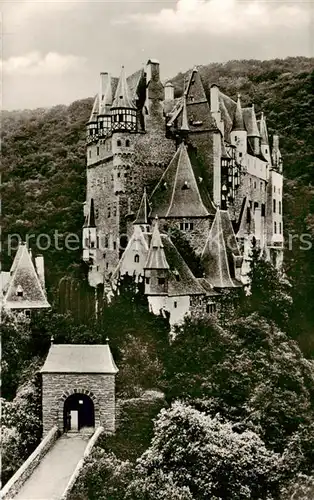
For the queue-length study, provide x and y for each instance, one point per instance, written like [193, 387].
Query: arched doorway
[78, 412]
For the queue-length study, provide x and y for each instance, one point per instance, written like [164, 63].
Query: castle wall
[56, 387]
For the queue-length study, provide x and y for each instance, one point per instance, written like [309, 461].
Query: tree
[195, 456]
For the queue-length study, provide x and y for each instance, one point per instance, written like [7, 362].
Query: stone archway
[77, 391]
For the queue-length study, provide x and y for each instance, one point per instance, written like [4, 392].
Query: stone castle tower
[205, 166]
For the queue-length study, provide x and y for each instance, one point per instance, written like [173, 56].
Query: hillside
[43, 161]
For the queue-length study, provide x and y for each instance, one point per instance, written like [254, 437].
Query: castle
[200, 165]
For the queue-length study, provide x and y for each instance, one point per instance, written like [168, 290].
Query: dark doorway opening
[78, 412]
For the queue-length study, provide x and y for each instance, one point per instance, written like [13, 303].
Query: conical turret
[238, 120]
[122, 97]
[123, 110]
[156, 268]
[143, 212]
[253, 133]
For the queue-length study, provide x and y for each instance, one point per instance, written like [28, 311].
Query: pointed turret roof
[220, 241]
[24, 290]
[156, 258]
[238, 120]
[251, 122]
[263, 130]
[177, 193]
[122, 97]
[90, 218]
[94, 114]
[143, 211]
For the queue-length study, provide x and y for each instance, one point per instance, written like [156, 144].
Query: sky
[54, 50]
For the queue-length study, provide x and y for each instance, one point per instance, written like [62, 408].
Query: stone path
[51, 476]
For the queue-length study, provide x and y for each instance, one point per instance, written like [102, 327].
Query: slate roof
[76, 358]
[24, 278]
[250, 122]
[106, 98]
[156, 258]
[122, 98]
[177, 193]
[181, 279]
[95, 110]
[220, 242]
[263, 130]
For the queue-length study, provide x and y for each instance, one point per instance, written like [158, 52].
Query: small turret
[276, 155]
[105, 102]
[265, 149]
[92, 127]
[143, 212]
[238, 133]
[253, 133]
[123, 111]
[156, 268]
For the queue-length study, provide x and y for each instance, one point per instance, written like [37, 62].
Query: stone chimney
[214, 99]
[169, 92]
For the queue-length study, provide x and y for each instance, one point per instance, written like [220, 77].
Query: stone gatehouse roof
[79, 358]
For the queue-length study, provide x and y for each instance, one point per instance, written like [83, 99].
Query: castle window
[266, 150]
[280, 228]
[120, 118]
[92, 244]
[254, 184]
[147, 280]
[261, 186]
[161, 281]
[19, 291]
[109, 211]
[114, 245]
[263, 213]
[114, 210]
[274, 189]
[107, 265]
[191, 226]
[97, 213]
[240, 155]
[255, 205]
[136, 258]
[275, 227]
[27, 313]
[127, 143]
[279, 207]
[186, 225]
[97, 150]
[182, 226]
[274, 206]
[106, 242]
[175, 304]
[118, 142]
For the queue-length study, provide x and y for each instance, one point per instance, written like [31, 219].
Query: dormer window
[185, 185]
[161, 281]
[118, 142]
[127, 143]
[19, 291]
[136, 258]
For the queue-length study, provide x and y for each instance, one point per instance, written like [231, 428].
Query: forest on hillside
[43, 165]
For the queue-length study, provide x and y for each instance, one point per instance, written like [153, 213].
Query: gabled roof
[263, 130]
[177, 193]
[143, 211]
[250, 122]
[156, 258]
[122, 98]
[195, 87]
[215, 252]
[90, 218]
[238, 121]
[75, 358]
[137, 245]
[24, 278]
[184, 123]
